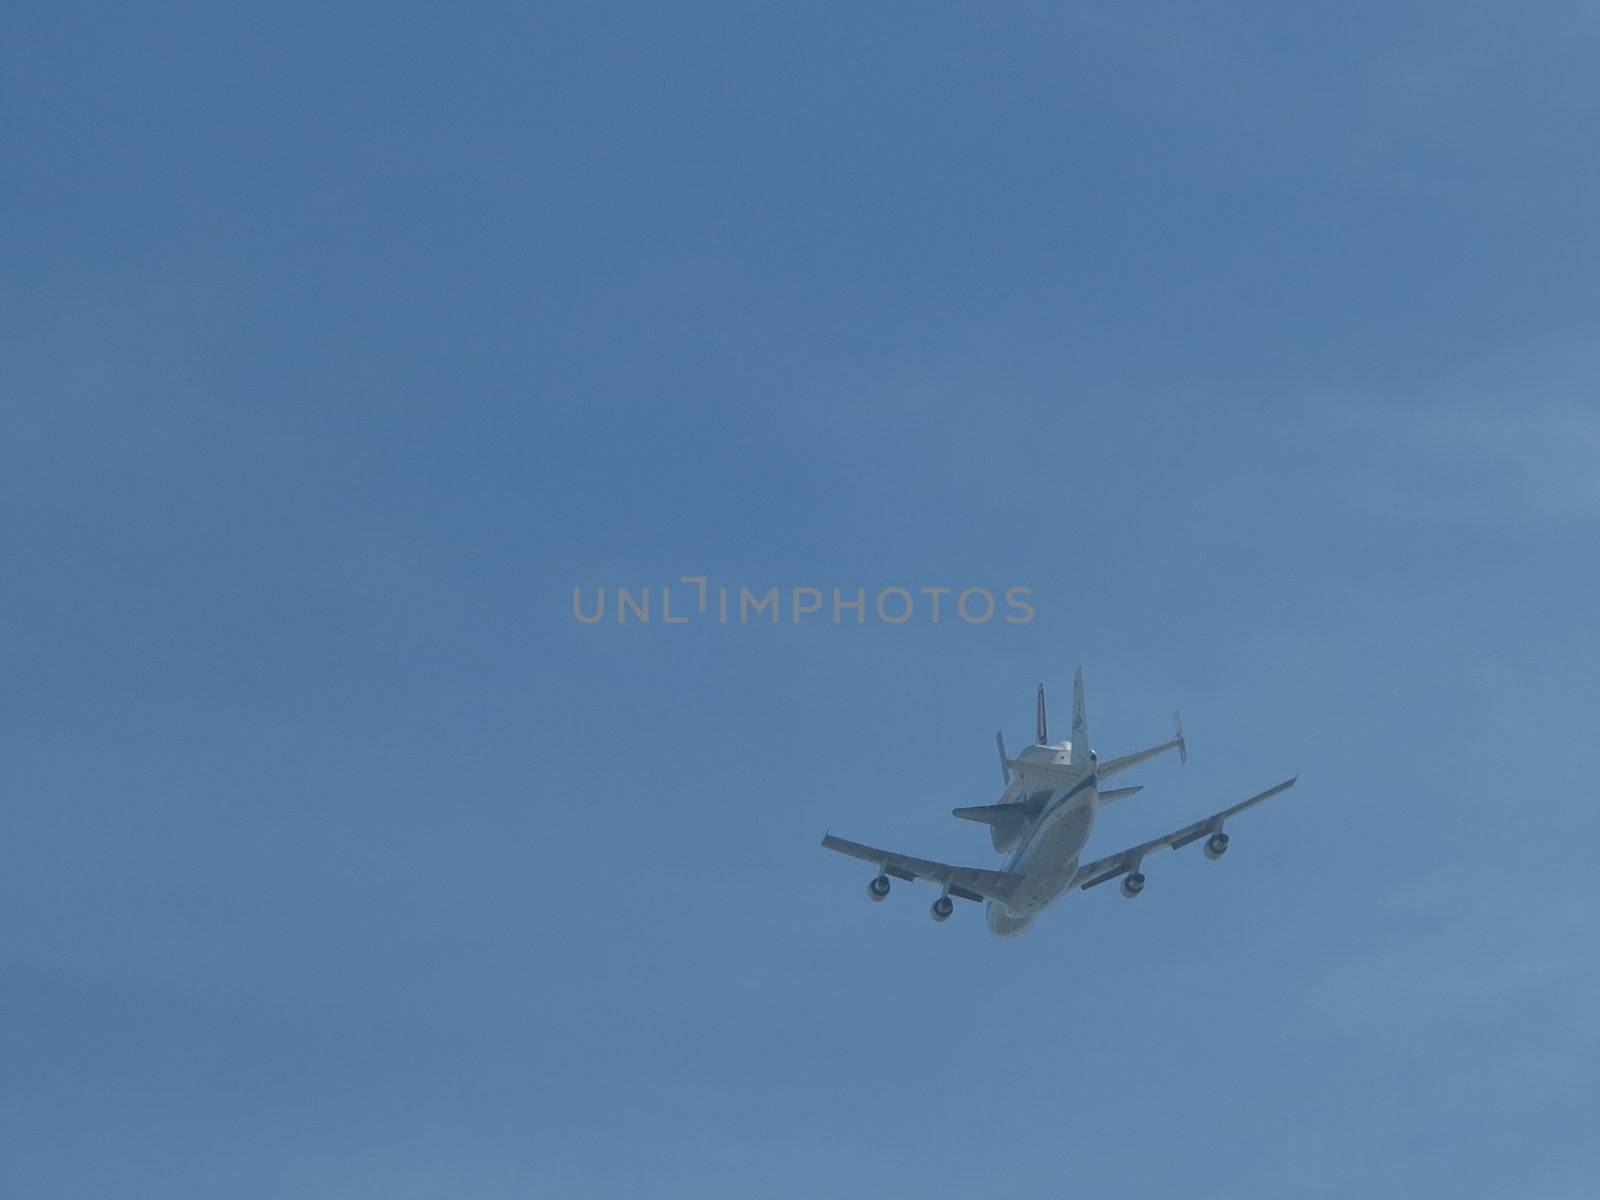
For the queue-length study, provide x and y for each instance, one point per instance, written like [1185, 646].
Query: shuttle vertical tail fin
[1041, 737]
[1080, 721]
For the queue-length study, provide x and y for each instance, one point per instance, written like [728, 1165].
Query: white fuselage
[1047, 855]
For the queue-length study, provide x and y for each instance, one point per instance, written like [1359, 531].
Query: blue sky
[337, 348]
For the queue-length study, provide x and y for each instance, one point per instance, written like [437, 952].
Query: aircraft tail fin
[1080, 721]
[1041, 735]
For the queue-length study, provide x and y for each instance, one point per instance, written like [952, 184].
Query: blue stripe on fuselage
[1087, 781]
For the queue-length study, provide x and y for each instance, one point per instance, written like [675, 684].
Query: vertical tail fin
[1041, 738]
[1080, 722]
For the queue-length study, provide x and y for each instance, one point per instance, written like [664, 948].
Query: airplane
[1041, 822]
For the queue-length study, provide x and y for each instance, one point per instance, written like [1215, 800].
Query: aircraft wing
[970, 883]
[1128, 860]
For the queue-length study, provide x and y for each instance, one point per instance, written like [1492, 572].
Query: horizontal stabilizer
[1115, 766]
[1114, 794]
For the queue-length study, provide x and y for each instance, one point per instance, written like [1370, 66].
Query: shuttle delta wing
[970, 883]
[1114, 865]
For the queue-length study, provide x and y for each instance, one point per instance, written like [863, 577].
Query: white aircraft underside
[1042, 822]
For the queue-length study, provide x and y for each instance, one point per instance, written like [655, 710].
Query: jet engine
[878, 888]
[1216, 846]
[1133, 884]
[942, 908]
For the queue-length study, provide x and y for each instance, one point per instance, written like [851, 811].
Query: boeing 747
[1042, 822]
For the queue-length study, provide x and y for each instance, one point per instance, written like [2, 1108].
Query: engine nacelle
[878, 888]
[942, 908]
[1133, 884]
[1216, 846]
